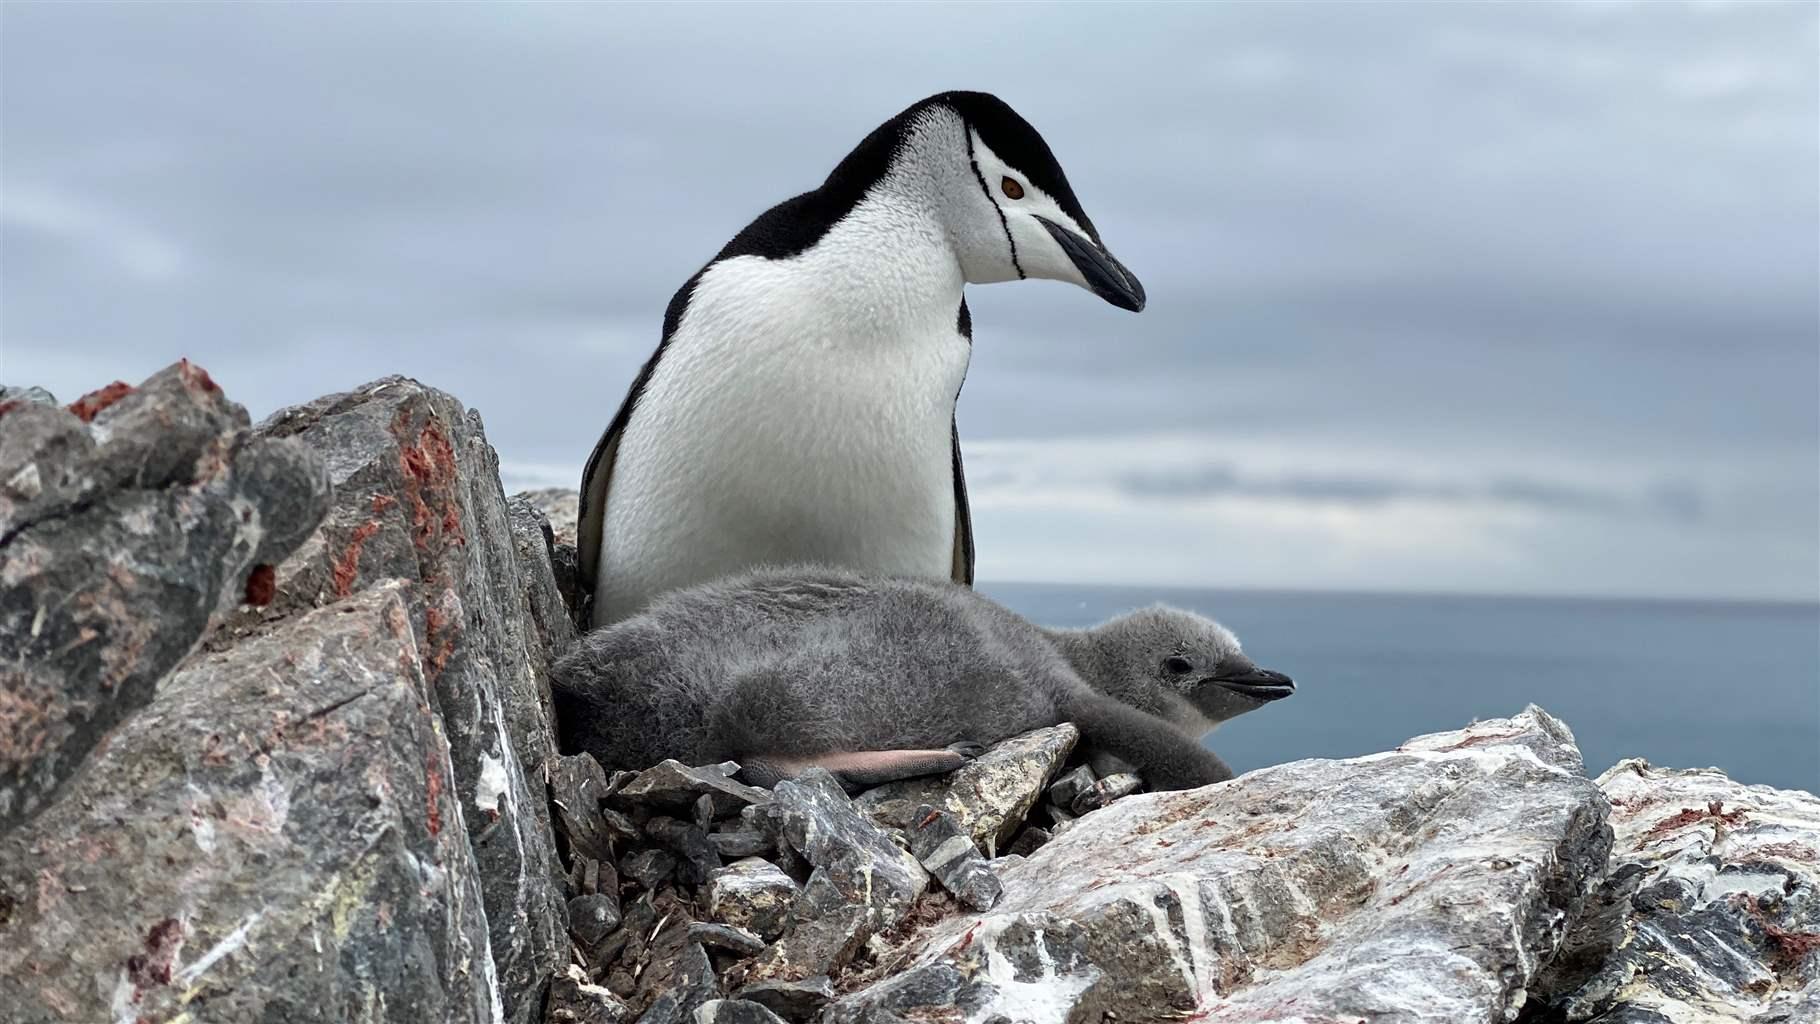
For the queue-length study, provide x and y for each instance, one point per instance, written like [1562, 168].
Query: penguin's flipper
[963, 517]
[857, 769]
[591, 517]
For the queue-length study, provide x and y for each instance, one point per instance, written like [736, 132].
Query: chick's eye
[1177, 665]
[1011, 188]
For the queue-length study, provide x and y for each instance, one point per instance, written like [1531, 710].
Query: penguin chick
[878, 678]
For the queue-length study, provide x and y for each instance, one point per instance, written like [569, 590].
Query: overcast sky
[1442, 297]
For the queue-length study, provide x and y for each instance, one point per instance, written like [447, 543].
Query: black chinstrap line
[1003, 223]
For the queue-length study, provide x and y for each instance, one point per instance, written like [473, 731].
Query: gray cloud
[1512, 230]
[1680, 501]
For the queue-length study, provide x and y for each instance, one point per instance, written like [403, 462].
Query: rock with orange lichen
[276, 837]
[1710, 910]
[418, 498]
[131, 523]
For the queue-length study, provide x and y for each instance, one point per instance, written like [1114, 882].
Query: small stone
[1105, 791]
[943, 847]
[812, 813]
[744, 843]
[991, 795]
[824, 932]
[1071, 786]
[704, 810]
[690, 842]
[578, 785]
[791, 1000]
[647, 867]
[726, 937]
[676, 967]
[734, 1011]
[751, 894]
[674, 786]
[573, 1000]
[593, 917]
[1027, 842]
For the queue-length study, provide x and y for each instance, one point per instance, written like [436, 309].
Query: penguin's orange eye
[1011, 188]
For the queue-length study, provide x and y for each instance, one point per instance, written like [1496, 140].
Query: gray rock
[791, 1000]
[1104, 791]
[751, 894]
[815, 817]
[674, 786]
[577, 786]
[1070, 786]
[948, 853]
[417, 497]
[697, 858]
[678, 976]
[734, 1011]
[560, 509]
[593, 917]
[1025, 967]
[1428, 884]
[276, 837]
[131, 524]
[1028, 842]
[727, 938]
[742, 843]
[1710, 909]
[574, 1000]
[554, 627]
[991, 795]
[825, 930]
[24, 394]
[648, 867]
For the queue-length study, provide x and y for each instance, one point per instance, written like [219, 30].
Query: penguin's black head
[1008, 206]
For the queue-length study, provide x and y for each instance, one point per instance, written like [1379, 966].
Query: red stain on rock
[261, 585]
[1715, 811]
[430, 483]
[196, 377]
[1789, 948]
[153, 967]
[439, 638]
[381, 502]
[433, 792]
[90, 405]
[347, 567]
[9, 406]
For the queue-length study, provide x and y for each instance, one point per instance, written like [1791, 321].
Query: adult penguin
[800, 406]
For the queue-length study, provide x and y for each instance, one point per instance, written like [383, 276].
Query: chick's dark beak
[1106, 277]
[1256, 683]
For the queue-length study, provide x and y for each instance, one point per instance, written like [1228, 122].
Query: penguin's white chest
[793, 417]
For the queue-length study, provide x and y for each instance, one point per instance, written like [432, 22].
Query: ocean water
[1682, 684]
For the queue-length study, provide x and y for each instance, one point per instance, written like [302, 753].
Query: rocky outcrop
[1428, 884]
[1710, 910]
[418, 521]
[130, 523]
[287, 756]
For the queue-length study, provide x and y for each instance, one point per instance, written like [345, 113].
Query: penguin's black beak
[1257, 683]
[1106, 276]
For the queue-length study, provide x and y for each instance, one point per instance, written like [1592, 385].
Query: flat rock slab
[130, 524]
[1711, 909]
[274, 838]
[991, 795]
[673, 786]
[1428, 884]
